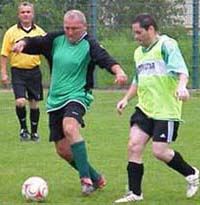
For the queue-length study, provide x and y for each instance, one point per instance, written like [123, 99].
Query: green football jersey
[72, 66]
[69, 71]
[157, 69]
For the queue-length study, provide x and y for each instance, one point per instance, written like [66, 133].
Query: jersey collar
[146, 49]
[82, 36]
[19, 25]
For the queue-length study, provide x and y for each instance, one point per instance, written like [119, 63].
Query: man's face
[141, 35]
[26, 15]
[74, 29]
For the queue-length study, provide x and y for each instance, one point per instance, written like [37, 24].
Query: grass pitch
[106, 135]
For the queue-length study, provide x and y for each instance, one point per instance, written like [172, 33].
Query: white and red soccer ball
[35, 189]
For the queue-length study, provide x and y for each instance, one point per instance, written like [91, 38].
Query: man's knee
[134, 147]
[21, 102]
[69, 130]
[34, 104]
[161, 151]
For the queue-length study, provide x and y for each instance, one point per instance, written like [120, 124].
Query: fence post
[195, 56]
[93, 18]
[93, 29]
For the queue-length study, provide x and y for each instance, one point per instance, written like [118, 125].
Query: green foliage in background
[118, 13]
[113, 13]
[48, 13]
[113, 26]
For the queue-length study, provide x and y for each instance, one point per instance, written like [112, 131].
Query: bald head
[75, 14]
[75, 25]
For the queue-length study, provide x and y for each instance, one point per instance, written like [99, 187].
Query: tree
[117, 13]
[48, 13]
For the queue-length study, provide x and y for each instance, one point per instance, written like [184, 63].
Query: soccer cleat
[86, 186]
[35, 137]
[100, 183]
[193, 183]
[129, 197]
[24, 135]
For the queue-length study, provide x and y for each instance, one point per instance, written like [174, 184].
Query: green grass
[106, 134]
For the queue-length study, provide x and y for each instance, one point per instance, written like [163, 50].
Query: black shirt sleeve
[100, 56]
[40, 44]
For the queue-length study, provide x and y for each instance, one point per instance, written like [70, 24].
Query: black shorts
[27, 83]
[159, 130]
[72, 109]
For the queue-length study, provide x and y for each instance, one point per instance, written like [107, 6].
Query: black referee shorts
[72, 109]
[27, 83]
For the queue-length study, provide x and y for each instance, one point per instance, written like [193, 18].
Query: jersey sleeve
[40, 44]
[100, 56]
[41, 32]
[173, 57]
[135, 77]
[7, 44]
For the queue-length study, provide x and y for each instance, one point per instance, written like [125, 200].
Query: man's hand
[19, 46]
[5, 79]
[120, 76]
[182, 93]
[121, 105]
[121, 79]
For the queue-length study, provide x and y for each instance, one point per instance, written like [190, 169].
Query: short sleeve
[7, 44]
[173, 57]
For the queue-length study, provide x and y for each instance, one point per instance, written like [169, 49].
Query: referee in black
[25, 72]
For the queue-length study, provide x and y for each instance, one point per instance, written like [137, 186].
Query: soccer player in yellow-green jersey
[160, 84]
[26, 76]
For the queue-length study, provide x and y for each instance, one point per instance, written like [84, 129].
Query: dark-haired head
[145, 20]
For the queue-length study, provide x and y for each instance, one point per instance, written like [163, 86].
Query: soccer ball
[35, 189]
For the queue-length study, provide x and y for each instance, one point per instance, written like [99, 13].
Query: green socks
[80, 158]
[80, 162]
[94, 175]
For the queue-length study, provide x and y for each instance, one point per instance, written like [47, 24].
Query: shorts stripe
[170, 131]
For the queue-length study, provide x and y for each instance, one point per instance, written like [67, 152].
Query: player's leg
[21, 114]
[35, 94]
[166, 132]
[69, 128]
[72, 122]
[137, 142]
[20, 100]
[135, 169]
[64, 150]
[34, 119]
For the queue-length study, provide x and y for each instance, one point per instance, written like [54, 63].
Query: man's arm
[103, 59]
[30, 45]
[4, 76]
[176, 63]
[36, 45]
[181, 91]
[132, 91]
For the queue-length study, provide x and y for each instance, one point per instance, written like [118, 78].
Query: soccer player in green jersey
[160, 83]
[72, 55]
